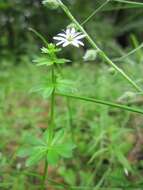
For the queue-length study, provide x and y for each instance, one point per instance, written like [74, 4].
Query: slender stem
[129, 2]
[70, 117]
[107, 103]
[94, 12]
[39, 35]
[94, 45]
[130, 53]
[51, 127]
[52, 104]
[137, 47]
[102, 179]
[45, 174]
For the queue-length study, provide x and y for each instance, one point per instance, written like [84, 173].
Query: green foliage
[95, 127]
[43, 132]
[45, 147]
[50, 58]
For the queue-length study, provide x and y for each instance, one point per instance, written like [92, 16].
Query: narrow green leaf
[23, 152]
[65, 86]
[97, 153]
[59, 136]
[65, 150]
[48, 91]
[46, 137]
[61, 61]
[123, 160]
[30, 139]
[36, 156]
[43, 61]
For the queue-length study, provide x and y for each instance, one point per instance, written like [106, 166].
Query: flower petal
[70, 36]
[79, 42]
[80, 37]
[75, 43]
[76, 34]
[67, 31]
[73, 31]
[58, 38]
[66, 43]
[62, 34]
[59, 43]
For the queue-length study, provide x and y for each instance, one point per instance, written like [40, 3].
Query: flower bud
[72, 25]
[52, 4]
[112, 71]
[127, 96]
[90, 55]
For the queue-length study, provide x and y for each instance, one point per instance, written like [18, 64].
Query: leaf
[59, 147]
[30, 139]
[46, 137]
[43, 61]
[58, 138]
[45, 50]
[123, 160]
[52, 157]
[97, 153]
[44, 89]
[61, 61]
[48, 91]
[37, 155]
[23, 152]
[36, 89]
[65, 86]
[53, 48]
[65, 150]
[68, 175]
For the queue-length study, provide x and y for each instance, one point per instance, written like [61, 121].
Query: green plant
[56, 143]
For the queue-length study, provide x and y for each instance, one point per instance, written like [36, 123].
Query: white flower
[70, 37]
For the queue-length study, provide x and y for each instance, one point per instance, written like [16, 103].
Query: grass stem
[45, 174]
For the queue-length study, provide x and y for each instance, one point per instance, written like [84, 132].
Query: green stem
[130, 2]
[39, 35]
[94, 12]
[51, 127]
[93, 44]
[70, 117]
[123, 107]
[52, 104]
[45, 174]
[130, 53]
